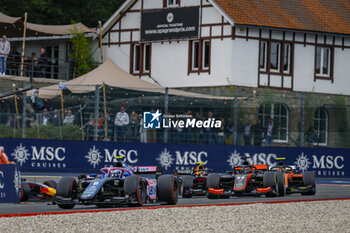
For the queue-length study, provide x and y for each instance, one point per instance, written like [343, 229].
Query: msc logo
[152, 120]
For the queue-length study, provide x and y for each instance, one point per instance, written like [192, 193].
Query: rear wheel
[134, 187]
[67, 188]
[187, 184]
[213, 181]
[269, 180]
[280, 185]
[25, 191]
[51, 183]
[309, 179]
[168, 189]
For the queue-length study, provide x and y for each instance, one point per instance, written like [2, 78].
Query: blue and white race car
[119, 185]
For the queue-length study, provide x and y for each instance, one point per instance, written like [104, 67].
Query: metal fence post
[68, 69]
[60, 123]
[81, 122]
[235, 106]
[97, 105]
[302, 119]
[166, 109]
[24, 114]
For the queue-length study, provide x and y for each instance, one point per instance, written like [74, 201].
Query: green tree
[82, 60]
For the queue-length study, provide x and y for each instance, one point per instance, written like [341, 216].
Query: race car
[194, 182]
[246, 180]
[119, 185]
[303, 183]
[37, 191]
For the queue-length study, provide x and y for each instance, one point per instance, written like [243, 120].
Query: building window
[172, 3]
[323, 61]
[286, 58]
[275, 54]
[263, 49]
[200, 55]
[321, 126]
[279, 113]
[140, 59]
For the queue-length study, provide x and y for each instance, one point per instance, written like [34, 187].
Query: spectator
[208, 131]
[43, 63]
[258, 133]
[121, 121]
[36, 102]
[55, 118]
[15, 60]
[187, 132]
[142, 131]
[45, 117]
[33, 122]
[221, 132]
[228, 131]
[5, 48]
[197, 132]
[239, 131]
[10, 122]
[132, 128]
[310, 136]
[269, 133]
[69, 118]
[247, 133]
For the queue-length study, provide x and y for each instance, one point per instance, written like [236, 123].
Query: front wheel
[67, 187]
[134, 187]
[309, 179]
[168, 189]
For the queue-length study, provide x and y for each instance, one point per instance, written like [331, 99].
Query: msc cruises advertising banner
[90, 156]
[169, 24]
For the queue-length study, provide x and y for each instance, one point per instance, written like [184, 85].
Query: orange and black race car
[38, 191]
[303, 183]
[247, 179]
[194, 182]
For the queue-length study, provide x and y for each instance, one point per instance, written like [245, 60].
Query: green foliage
[52, 12]
[81, 54]
[6, 131]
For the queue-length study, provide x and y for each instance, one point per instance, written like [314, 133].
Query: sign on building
[170, 24]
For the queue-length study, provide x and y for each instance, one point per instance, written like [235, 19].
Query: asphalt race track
[326, 189]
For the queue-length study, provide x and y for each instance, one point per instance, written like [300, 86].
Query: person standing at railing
[43, 63]
[5, 48]
[14, 60]
[121, 121]
[69, 118]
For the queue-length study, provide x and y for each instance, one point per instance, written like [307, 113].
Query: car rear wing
[148, 170]
[184, 172]
[263, 167]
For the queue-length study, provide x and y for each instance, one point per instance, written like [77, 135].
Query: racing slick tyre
[135, 188]
[309, 179]
[51, 183]
[168, 189]
[280, 185]
[25, 191]
[67, 188]
[269, 180]
[213, 181]
[187, 184]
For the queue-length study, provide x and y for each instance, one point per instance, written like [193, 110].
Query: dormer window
[172, 3]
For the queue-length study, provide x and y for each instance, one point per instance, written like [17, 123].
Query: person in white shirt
[269, 133]
[5, 48]
[120, 122]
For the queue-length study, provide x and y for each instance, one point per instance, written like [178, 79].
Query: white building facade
[224, 53]
[213, 44]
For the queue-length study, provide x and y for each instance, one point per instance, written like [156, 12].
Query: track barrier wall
[60, 156]
[10, 183]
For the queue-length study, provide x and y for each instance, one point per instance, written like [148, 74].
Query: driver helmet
[116, 173]
[245, 163]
